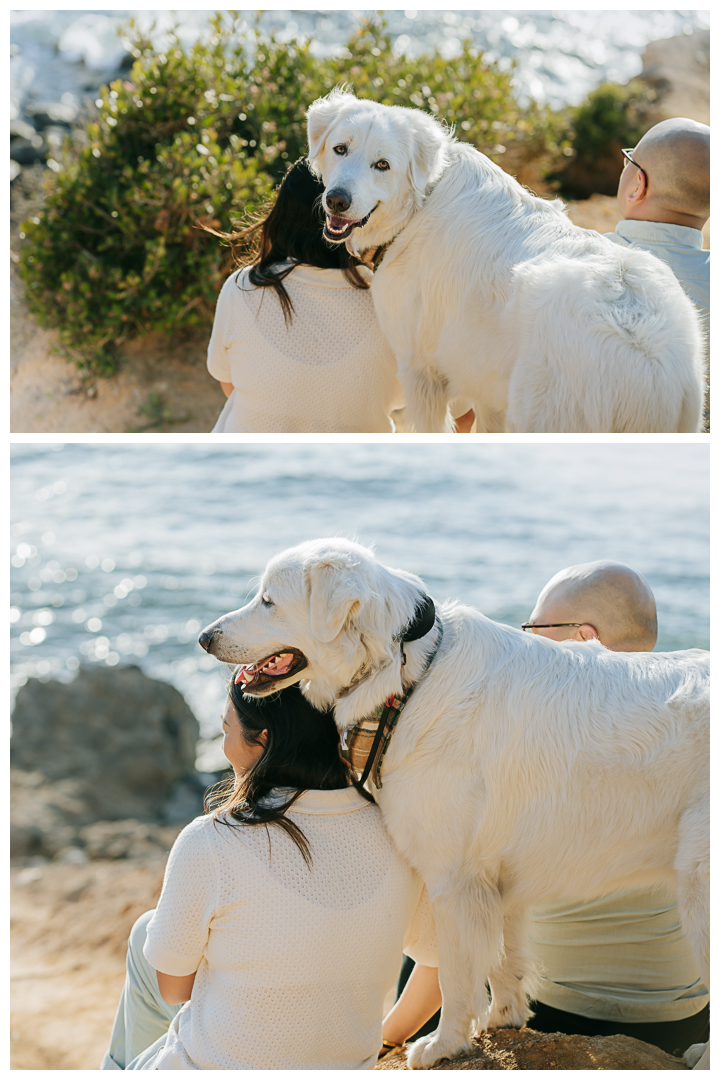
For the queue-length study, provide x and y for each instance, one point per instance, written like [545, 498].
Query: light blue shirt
[681, 248]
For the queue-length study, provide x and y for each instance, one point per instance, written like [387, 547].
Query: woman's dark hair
[292, 229]
[301, 752]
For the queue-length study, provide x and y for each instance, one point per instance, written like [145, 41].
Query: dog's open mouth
[339, 228]
[273, 669]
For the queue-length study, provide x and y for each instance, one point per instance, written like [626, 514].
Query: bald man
[664, 198]
[612, 602]
[619, 965]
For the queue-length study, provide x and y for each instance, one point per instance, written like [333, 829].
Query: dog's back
[588, 754]
[521, 309]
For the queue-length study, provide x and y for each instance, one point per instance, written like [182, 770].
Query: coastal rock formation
[113, 744]
[126, 839]
[679, 69]
[508, 1048]
[44, 816]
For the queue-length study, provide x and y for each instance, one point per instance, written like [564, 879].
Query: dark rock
[20, 129]
[186, 800]
[44, 817]
[26, 151]
[120, 740]
[125, 839]
[25, 839]
[47, 820]
[509, 1048]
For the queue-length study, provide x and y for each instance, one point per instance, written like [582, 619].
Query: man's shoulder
[617, 239]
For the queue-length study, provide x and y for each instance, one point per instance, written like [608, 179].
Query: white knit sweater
[293, 963]
[330, 369]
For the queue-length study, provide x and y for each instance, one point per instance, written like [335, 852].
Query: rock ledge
[508, 1048]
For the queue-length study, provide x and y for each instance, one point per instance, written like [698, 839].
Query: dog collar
[421, 624]
[380, 255]
[364, 745]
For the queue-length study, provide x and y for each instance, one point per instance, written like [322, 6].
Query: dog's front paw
[697, 1056]
[426, 1052]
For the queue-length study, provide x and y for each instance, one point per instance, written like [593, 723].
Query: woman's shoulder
[238, 282]
[209, 836]
[195, 830]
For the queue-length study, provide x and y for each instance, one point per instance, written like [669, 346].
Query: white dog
[522, 770]
[489, 293]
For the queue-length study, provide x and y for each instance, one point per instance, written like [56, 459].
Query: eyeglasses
[627, 154]
[547, 625]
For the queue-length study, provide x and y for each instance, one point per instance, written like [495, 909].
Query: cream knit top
[293, 963]
[330, 369]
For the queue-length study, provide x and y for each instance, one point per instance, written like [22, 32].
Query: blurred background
[129, 130]
[121, 553]
[561, 55]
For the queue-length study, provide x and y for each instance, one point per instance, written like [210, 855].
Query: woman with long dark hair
[295, 343]
[283, 913]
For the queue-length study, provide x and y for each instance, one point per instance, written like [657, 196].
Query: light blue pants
[143, 1017]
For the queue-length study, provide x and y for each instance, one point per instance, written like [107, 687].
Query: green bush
[202, 136]
[611, 115]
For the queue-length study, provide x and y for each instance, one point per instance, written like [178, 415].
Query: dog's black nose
[338, 200]
[205, 639]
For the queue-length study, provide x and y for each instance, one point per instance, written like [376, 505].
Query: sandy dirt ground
[69, 927]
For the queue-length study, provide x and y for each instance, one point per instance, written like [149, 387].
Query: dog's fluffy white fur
[490, 293]
[521, 771]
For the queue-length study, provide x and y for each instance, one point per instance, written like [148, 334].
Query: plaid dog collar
[364, 745]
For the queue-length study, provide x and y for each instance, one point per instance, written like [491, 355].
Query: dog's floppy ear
[335, 591]
[321, 115]
[428, 153]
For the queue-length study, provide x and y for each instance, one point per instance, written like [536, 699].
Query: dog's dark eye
[267, 602]
[341, 149]
[382, 165]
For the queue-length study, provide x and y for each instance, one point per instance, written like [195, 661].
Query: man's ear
[321, 115]
[428, 151]
[335, 594]
[639, 188]
[587, 632]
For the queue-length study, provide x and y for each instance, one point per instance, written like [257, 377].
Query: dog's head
[375, 161]
[326, 612]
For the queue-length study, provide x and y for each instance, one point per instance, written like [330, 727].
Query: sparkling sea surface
[561, 55]
[122, 553]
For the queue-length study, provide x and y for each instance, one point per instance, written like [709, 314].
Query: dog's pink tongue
[339, 224]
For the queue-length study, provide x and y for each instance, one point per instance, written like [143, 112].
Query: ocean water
[561, 55]
[122, 553]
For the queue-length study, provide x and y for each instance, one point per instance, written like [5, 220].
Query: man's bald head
[675, 154]
[608, 598]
